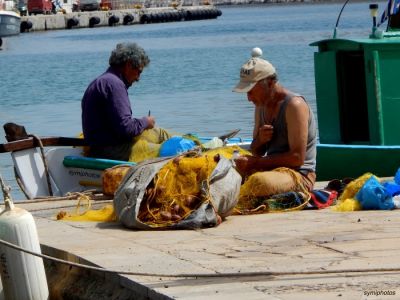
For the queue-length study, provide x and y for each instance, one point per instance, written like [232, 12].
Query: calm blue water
[194, 66]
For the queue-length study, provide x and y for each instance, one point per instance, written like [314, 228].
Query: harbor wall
[150, 11]
[117, 17]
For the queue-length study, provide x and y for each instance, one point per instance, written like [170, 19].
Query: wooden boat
[55, 166]
[358, 102]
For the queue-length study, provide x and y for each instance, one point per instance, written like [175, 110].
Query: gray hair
[132, 52]
[273, 77]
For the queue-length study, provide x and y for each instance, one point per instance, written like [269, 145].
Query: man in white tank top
[284, 132]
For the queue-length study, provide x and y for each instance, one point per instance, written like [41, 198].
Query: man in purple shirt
[108, 125]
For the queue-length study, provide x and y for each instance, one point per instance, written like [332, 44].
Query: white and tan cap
[254, 70]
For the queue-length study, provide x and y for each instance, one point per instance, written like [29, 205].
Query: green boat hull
[340, 161]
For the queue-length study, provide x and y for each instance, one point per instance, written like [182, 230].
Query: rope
[69, 196]
[197, 275]
[46, 167]
[21, 184]
[6, 189]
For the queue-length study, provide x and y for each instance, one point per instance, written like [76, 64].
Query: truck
[40, 7]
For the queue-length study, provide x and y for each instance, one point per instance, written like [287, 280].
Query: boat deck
[292, 242]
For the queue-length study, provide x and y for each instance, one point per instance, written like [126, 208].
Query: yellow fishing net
[278, 190]
[142, 150]
[181, 186]
[144, 146]
[105, 214]
[171, 196]
[347, 201]
[349, 204]
[175, 191]
[226, 151]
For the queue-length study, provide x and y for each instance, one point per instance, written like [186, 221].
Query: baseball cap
[254, 70]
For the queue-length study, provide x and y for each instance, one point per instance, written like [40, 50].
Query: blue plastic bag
[176, 145]
[397, 177]
[373, 195]
[392, 188]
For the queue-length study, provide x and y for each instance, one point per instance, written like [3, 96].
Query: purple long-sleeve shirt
[106, 111]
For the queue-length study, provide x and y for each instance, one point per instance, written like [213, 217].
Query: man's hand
[151, 121]
[246, 164]
[265, 133]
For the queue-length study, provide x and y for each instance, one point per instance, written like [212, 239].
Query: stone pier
[117, 17]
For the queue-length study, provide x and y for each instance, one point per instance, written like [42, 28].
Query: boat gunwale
[33, 142]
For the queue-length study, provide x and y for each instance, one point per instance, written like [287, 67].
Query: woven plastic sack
[223, 192]
[373, 195]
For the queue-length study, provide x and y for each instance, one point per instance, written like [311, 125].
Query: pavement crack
[325, 246]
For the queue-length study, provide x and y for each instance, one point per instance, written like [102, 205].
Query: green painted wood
[92, 163]
[372, 88]
[357, 85]
[326, 91]
[338, 161]
[357, 90]
[390, 99]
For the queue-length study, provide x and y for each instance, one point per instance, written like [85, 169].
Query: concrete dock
[117, 17]
[357, 245]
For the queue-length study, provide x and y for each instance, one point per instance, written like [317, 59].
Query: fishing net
[276, 191]
[193, 190]
[347, 200]
[181, 186]
[144, 146]
[142, 150]
[354, 186]
[349, 204]
[147, 144]
[83, 212]
[226, 151]
[176, 190]
[189, 191]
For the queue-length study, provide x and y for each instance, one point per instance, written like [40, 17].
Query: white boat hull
[68, 170]
[30, 169]
[10, 23]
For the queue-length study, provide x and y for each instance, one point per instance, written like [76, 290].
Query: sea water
[188, 84]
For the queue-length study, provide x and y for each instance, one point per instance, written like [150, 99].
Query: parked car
[40, 7]
[22, 7]
[87, 5]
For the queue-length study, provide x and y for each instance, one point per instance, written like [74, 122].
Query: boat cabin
[358, 101]
[356, 81]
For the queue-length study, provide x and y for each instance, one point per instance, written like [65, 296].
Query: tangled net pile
[180, 187]
[258, 195]
[83, 211]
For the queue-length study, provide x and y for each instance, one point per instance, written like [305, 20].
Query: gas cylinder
[22, 274]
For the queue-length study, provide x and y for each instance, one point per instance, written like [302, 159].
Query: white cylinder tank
[22, 274]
